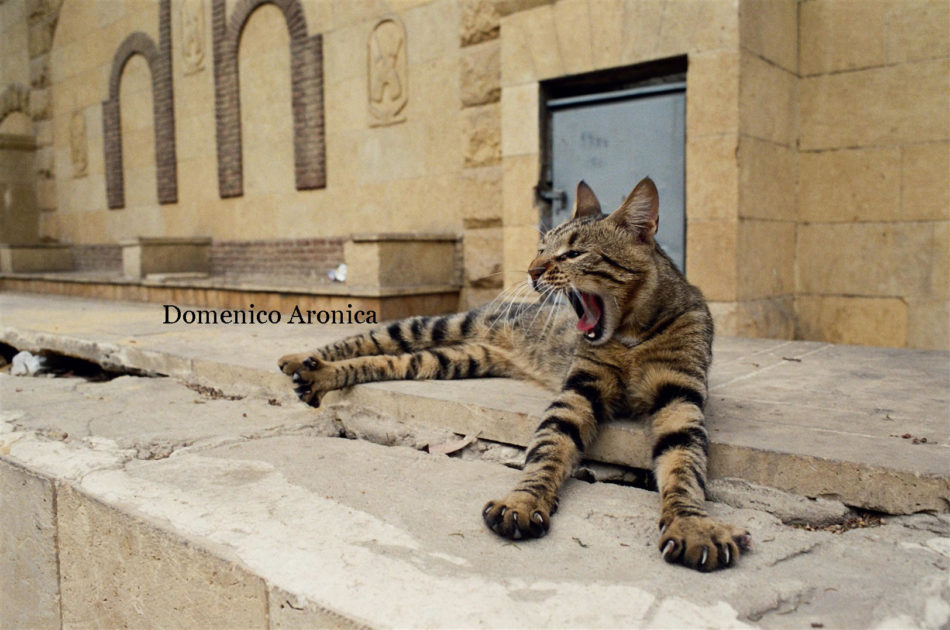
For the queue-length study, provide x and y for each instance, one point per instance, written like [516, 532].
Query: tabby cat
[640, 344]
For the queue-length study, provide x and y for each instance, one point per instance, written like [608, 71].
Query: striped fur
[637, 342]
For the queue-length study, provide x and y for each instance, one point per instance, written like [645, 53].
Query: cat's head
[601, 262]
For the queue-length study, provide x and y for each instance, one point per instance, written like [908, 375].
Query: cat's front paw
[290, 363]
[305, 371]
[519, 515]
[701, 543]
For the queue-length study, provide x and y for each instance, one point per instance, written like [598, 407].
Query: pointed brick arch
[306, 56]
[159, 59]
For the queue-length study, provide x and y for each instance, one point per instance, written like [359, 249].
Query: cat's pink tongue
[591, 312]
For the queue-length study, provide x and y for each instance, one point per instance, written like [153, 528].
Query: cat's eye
[570, 254]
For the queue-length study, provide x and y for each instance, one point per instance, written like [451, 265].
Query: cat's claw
[701, 543]
[509, 518]
[303, 370]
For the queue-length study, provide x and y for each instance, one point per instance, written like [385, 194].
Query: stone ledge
[195, 280]
[810, 418]
[386, 302]
[40, 257]
[383, 260]
[404, 237]
[143, 256]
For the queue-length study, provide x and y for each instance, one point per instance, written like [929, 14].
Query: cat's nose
[536, 272]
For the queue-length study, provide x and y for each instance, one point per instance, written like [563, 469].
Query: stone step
[142, 502]
[865, 426]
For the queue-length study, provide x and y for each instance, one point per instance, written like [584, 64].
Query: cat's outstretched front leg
[687, 534]
[568, 428]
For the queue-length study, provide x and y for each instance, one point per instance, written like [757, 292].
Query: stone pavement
[148, 502]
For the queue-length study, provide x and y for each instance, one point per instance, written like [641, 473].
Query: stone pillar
[481, 190]
[42, 19]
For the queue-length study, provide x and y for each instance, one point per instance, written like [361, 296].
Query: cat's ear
[639, 212]
[585, 202]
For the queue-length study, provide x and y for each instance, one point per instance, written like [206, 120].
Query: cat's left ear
[639, 212]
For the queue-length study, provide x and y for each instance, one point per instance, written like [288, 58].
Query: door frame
[655, 77]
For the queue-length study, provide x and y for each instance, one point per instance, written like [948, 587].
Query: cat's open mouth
[590, 311]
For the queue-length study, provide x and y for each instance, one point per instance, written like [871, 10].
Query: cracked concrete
[102, 411]
[789, 508]
[266, 518]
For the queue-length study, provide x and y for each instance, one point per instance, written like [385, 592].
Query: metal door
[612, 140]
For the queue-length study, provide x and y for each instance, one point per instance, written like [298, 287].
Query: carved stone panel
[388, 73]
[78, 146]
[192, 35]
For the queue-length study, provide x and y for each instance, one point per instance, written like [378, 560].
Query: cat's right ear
[585, 202]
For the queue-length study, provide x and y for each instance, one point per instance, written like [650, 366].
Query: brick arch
[138, 43]
[306, 54]
[14, 97]
[293, 14]
[159, 64]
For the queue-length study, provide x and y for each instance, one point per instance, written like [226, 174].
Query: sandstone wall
[394, 178]
[873, 250]
[817, 151]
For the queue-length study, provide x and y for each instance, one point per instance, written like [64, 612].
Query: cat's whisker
[549, 322]
[528, 289]
[545, 295]
[513, 295]
[544, 310]
[505, 293]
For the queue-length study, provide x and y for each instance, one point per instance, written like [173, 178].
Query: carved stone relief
[193, 35]
[78, 147]
[388, 73]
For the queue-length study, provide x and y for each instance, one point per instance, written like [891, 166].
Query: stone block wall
[391, 178]
[873, 248]
[816, 157]
[765, 157]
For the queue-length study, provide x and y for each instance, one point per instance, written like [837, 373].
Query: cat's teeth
[591, 335]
